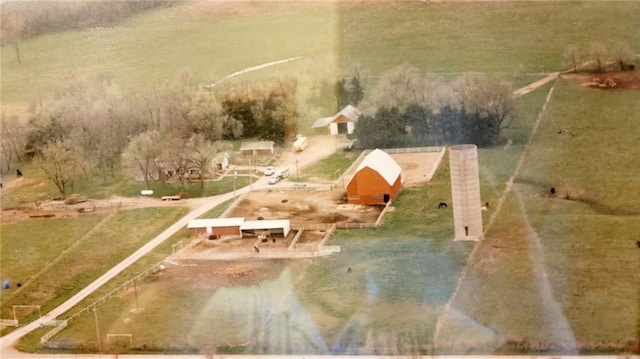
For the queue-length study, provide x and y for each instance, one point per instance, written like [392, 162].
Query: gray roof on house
[256, 145]
[350, 112]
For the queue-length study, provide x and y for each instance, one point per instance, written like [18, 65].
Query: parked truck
[300, 143]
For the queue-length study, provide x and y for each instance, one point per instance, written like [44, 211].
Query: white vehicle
[300, 144]
[282, 172]
[274, 179]
[269, 171]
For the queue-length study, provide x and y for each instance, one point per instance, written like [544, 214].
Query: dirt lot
[304, 206]
[418, 168]
[625, 80]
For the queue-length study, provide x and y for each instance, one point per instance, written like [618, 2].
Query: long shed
[215, 226]
[377, 180]
[273, 226]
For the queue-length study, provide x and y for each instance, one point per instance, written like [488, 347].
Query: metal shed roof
[256, 145]
[265, 224]
[216, 222]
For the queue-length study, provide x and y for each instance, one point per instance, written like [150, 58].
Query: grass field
[327, 169]
[559, 274]
[67, 267]
[508, 38]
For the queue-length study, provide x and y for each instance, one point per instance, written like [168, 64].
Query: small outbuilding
[377, 180]
[270, 227]
[342, 122]
[215, 226]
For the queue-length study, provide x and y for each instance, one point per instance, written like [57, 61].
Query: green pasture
[77, 265]
[494, 37]
[147, 50]
[326, 169]
[559, 273]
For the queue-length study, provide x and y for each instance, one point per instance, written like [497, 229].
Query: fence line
[44, 340]
[384, 211]
[414, 149]
[233, 205]
[57, 329]
[9, 322]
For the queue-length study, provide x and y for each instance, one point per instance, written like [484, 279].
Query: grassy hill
[214, 40]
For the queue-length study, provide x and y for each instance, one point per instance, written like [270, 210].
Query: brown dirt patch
[215, 274]
[59, 209]
[303, 207]
[417, 168]
[622, 80]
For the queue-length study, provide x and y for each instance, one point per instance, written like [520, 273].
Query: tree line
[93, 124]
[412, 108]
[598, 58]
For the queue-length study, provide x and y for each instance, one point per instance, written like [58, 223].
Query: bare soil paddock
[303, 207]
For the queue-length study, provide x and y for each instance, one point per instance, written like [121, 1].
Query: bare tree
[397, 87]
[599, 53]
[571, 57]
[141, 154]
[13, 28]
[13, 133]
[175, 154]
[62, 164]
[201, 153]
[625, 56]
[491, 102]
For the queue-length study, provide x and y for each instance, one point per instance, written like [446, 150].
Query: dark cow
[442, 205]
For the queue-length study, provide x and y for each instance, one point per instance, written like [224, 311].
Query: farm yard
[556, 272]
[302, 207]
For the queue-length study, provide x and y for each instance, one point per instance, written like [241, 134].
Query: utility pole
[95, 315]
[235, 175]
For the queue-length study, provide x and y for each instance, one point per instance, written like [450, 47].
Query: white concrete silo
[465, 192]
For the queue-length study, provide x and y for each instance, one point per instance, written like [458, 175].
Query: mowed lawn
[560, 273]
[54, 261]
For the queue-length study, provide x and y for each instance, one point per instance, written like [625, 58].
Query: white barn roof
[216, 222]
[350, 112]
[382, 163]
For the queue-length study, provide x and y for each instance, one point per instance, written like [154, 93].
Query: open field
[560, 272]
[56, 276]
[509, 38]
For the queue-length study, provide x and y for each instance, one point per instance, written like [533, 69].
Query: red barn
[377, 180]
[215, 226]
